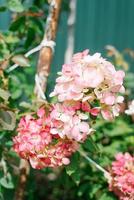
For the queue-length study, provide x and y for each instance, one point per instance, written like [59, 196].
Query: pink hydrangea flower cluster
[66, 121]
[122, 172]
[87, 86]
[91, 79]
[37, 143]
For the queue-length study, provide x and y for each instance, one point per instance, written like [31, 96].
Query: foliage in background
[78, 180]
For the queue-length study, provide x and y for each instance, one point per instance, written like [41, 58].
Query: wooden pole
[23, 174]
[46, 53]
[43, 69]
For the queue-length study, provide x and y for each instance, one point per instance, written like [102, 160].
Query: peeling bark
[46, 53]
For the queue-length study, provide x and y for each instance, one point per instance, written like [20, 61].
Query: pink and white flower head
[122, 173]
[69, 123]
[90, 78]
[36, 143]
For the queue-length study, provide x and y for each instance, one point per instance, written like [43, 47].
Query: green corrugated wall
[101, 22]
[98, 23]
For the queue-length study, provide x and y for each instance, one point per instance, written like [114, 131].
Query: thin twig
[106, 173]
[44, 43]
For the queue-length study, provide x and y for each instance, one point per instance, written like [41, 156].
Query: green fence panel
[102, 22]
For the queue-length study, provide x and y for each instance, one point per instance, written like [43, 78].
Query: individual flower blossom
[130, 110]
[69, 123]
[122, 172]
[91, 79]
[37, 144]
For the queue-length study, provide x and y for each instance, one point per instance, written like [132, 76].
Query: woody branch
[46, 53]
[43, 69]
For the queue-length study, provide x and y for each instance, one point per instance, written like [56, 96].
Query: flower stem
[34, 50]
[106, 173]
[44, 43]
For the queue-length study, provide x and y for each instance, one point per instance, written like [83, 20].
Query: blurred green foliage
[79, 180]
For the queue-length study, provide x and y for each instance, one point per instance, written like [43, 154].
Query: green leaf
[91, 146]
[54, 99]
[21, 60]
[25, 104]
[83, 188]
[9, 143]
[106, 196]
[17, 93]
[2, 8]
[4, 94]
[15, 5]
[72, 167]
[1, 196]
[94, 189]
[7, 120]
[30, 37]
[37, 24]
[11, 39]
[18, 23]
[121, 128]
[76, 177]
[6, 181]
